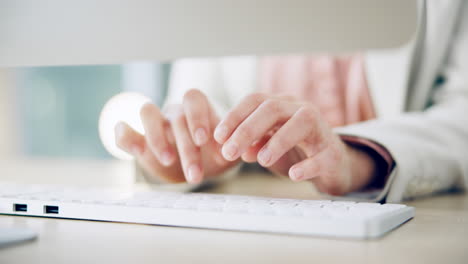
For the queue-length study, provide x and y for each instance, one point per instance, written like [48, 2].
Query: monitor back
[63, 32]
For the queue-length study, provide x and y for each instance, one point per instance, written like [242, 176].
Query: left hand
[291, 138]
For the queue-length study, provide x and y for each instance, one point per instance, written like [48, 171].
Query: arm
[430, 148]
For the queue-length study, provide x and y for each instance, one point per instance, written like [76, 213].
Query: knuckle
[287, 97]
[192, 94]
[280, 144]
[256, 97]
[309, 114]
[272, 105]
[194, 114]
[232, 118]
[244, 133]
[193, 122]
[156, 141]
[194, 107]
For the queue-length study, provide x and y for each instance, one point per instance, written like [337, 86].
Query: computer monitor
[58, 32]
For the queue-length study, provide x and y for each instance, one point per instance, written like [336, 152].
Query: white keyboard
[230, 212]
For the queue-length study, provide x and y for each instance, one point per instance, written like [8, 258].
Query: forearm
[429, 148]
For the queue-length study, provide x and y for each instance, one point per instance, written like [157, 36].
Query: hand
[290, 138]
[177, 145]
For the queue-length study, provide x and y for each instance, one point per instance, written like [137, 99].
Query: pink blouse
[337, 85]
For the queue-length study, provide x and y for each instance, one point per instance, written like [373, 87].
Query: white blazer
[420, 93]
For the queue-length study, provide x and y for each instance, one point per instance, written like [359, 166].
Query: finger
[241, 112]
[155, 133]
[304, 124]
[250, 155]
[258, 124]
[322, 169]
[214, 148]
[237, 115]
[189, 153]
[307, 169]
[128, 139]
[134, 143]
[168, 113]
[197, 111]
[169, 134]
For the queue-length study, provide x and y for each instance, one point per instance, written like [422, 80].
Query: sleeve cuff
[382, 157]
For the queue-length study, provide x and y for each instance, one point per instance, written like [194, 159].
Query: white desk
[438, 234]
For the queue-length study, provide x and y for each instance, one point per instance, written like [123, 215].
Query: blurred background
[54, 111]
[49, 120]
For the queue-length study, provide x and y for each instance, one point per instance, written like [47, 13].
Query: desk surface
[438, 234]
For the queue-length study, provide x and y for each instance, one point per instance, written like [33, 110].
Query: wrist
[362, 166]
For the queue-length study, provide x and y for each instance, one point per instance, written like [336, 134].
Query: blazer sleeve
[430, 148]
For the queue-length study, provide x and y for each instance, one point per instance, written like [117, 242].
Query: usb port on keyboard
[20, 207]
[51, 209]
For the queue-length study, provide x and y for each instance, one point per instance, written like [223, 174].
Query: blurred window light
[58, 107]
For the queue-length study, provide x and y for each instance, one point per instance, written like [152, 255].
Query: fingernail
[193, 174]
[230, 151]
[166, 158]
[220, 133]
[264, 156]
[296, 173]
[200, 136]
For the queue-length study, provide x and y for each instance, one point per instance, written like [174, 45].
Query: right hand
[178, 145]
